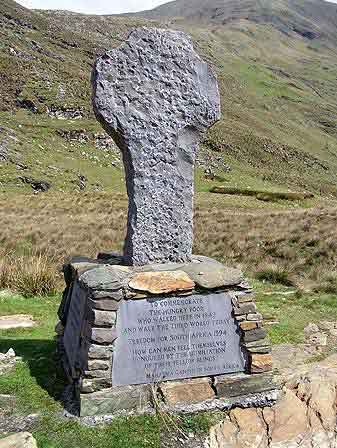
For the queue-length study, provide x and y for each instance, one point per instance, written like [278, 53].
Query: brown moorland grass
[290, 246]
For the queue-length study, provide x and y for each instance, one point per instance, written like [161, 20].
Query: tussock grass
[300, 245]
[30, 274]
[274, 273]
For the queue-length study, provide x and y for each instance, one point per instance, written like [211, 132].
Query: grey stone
[227, 386]
[169, 338]
[254, 335]
[254, 316]
[108, 401]
[98, 364]
[318, 339]
[116, 295]
[102, 318]
[156, 98]
[327, 325]
[7, 361]
[204, 259]
[243, 297]
[90, 385]
[103, 335]
[99, 351]
[258, 344]
[205, 272]
[262, 350]
[212, 275]
[311, 328]
[104, 278]
[245, 308]
[98, 373]
[105, 304]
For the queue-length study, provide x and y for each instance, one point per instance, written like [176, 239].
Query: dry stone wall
[89, 345]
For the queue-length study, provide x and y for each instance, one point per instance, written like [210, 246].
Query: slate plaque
[177, 337]
[72, 331]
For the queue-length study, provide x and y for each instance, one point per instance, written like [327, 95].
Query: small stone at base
[187, 391]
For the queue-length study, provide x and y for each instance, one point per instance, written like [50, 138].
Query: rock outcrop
[305, 415]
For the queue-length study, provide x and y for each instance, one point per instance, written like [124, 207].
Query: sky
[97, 6]
[94, 6]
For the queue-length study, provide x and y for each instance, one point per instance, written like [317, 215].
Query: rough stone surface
[105, 304]
[97, 373]
[254, 335]
[205, 272]
[255, 346]
[311, 328]
[156, 97]
[254, 316]
[90, 385]
[305, 415]
[116, 294]
[245, 326]
[19, 440]
[318, 339]
[7, 361]
[99, 351]
[98, 364]
[228, 386]
[245, 308]
[102, 318]
[212, 274]
[103, 335]
[161, 282]
[104, 278]
[260, 362]
[114, 399]
[186, 391]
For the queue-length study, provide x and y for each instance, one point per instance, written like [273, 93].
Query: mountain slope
[278, 86]
[310, 18]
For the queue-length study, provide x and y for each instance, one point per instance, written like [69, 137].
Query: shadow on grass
[41, 359]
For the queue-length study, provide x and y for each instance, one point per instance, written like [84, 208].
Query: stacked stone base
[87, 336]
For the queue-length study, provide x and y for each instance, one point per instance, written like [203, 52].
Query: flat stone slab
[174, 338]
[161, 282]
[16, 321]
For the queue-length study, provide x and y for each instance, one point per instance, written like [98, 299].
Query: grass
[278, 102]
[269, 240]
[293, 312]
[29, 275]
[37, 389]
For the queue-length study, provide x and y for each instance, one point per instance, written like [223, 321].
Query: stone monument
[159, 325]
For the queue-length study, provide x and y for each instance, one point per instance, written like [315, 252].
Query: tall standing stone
[156, 97]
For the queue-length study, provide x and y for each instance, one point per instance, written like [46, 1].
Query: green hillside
[277, 68]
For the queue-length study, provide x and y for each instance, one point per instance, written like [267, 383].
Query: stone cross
[156, 98]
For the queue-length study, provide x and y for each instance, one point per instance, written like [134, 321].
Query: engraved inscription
[176, 337]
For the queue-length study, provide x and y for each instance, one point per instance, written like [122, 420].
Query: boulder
[19, 440]
[304, 416]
